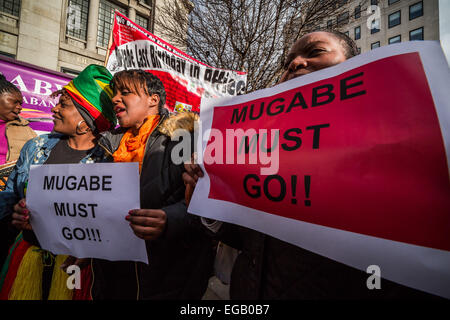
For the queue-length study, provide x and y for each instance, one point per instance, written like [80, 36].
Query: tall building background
[67, 35]
[375, 23]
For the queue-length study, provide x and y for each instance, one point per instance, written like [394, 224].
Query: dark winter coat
[268, 268]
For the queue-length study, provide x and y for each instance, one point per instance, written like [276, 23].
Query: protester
[14, 132]
[83, 111]
[180, 257]
[268, 268]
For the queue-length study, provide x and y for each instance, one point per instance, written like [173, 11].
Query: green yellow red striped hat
[91, 93]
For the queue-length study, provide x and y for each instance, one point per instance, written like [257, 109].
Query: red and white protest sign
[350, 162]
[185, 79]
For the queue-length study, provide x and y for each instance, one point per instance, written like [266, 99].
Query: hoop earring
[78, 128]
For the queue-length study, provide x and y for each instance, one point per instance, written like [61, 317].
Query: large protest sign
[350, 162]
[36, 85]
[80, 210]
[185, 79]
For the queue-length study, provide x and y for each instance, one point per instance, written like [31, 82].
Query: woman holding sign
[180, 257]
[83, 111]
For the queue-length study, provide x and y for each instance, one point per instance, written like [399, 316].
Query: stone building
[66, 35]
[388, 21]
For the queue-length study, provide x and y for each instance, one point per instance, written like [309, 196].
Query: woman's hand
[21, 216]
[190, 178]
[147, 224]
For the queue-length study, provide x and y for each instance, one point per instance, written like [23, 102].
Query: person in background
[180, 257]
[14, 133]
[268, 268]
[14, 130]
[83, 111]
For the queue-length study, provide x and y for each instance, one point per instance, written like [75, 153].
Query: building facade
[66, 35]
[375, 23]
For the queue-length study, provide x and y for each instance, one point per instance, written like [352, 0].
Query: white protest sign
[359, 163]
[80, 210]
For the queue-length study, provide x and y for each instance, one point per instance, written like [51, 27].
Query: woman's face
[66, 116]
[312, 52]
[133, 108]
[10, 106]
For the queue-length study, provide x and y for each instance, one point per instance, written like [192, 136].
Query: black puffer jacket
[268, 268]
[180, 261]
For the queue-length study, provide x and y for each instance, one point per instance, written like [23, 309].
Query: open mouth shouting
[120, 111]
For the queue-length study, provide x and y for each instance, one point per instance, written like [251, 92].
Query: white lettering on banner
[77, 211]
[142, 54]
[42, 85]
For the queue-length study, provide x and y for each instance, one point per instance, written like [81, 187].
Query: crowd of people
[180, 246]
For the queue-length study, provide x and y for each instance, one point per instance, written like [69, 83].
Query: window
[359, 50]
[70, 72]
[358, 33]
[395, 39]
[142, 21]
[416, 34]
[77, 19]
[392, 1]
[6, 54]
[330, 24]
[11, 7]
[416, 10]
[394, 19]
[343, 18]
[105, 19]
[375, 45]
[358, 12]
[374, 2]
[375, 26]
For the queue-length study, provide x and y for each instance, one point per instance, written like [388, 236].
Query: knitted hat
[91, 94]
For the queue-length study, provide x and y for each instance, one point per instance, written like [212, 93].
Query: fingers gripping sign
[147, 224]
[21, 216]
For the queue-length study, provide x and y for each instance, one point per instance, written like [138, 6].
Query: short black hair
[135, 79]
[7, 87]
[351, 49]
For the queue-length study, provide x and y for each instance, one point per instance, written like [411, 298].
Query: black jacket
[180, 261]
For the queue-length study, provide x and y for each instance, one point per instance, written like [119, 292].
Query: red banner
[361, 152]
[185, 79]
[350, 162]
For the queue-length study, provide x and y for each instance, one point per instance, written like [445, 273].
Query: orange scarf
[132, 147]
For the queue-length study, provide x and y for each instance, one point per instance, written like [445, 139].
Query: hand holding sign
[79, 210]
[147, 224]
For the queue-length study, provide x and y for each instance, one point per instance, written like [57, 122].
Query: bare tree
[246, 35]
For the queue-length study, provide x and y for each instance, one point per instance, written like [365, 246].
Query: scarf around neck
[132, 147]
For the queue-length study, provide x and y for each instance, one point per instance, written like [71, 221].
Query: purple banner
[36, 85]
